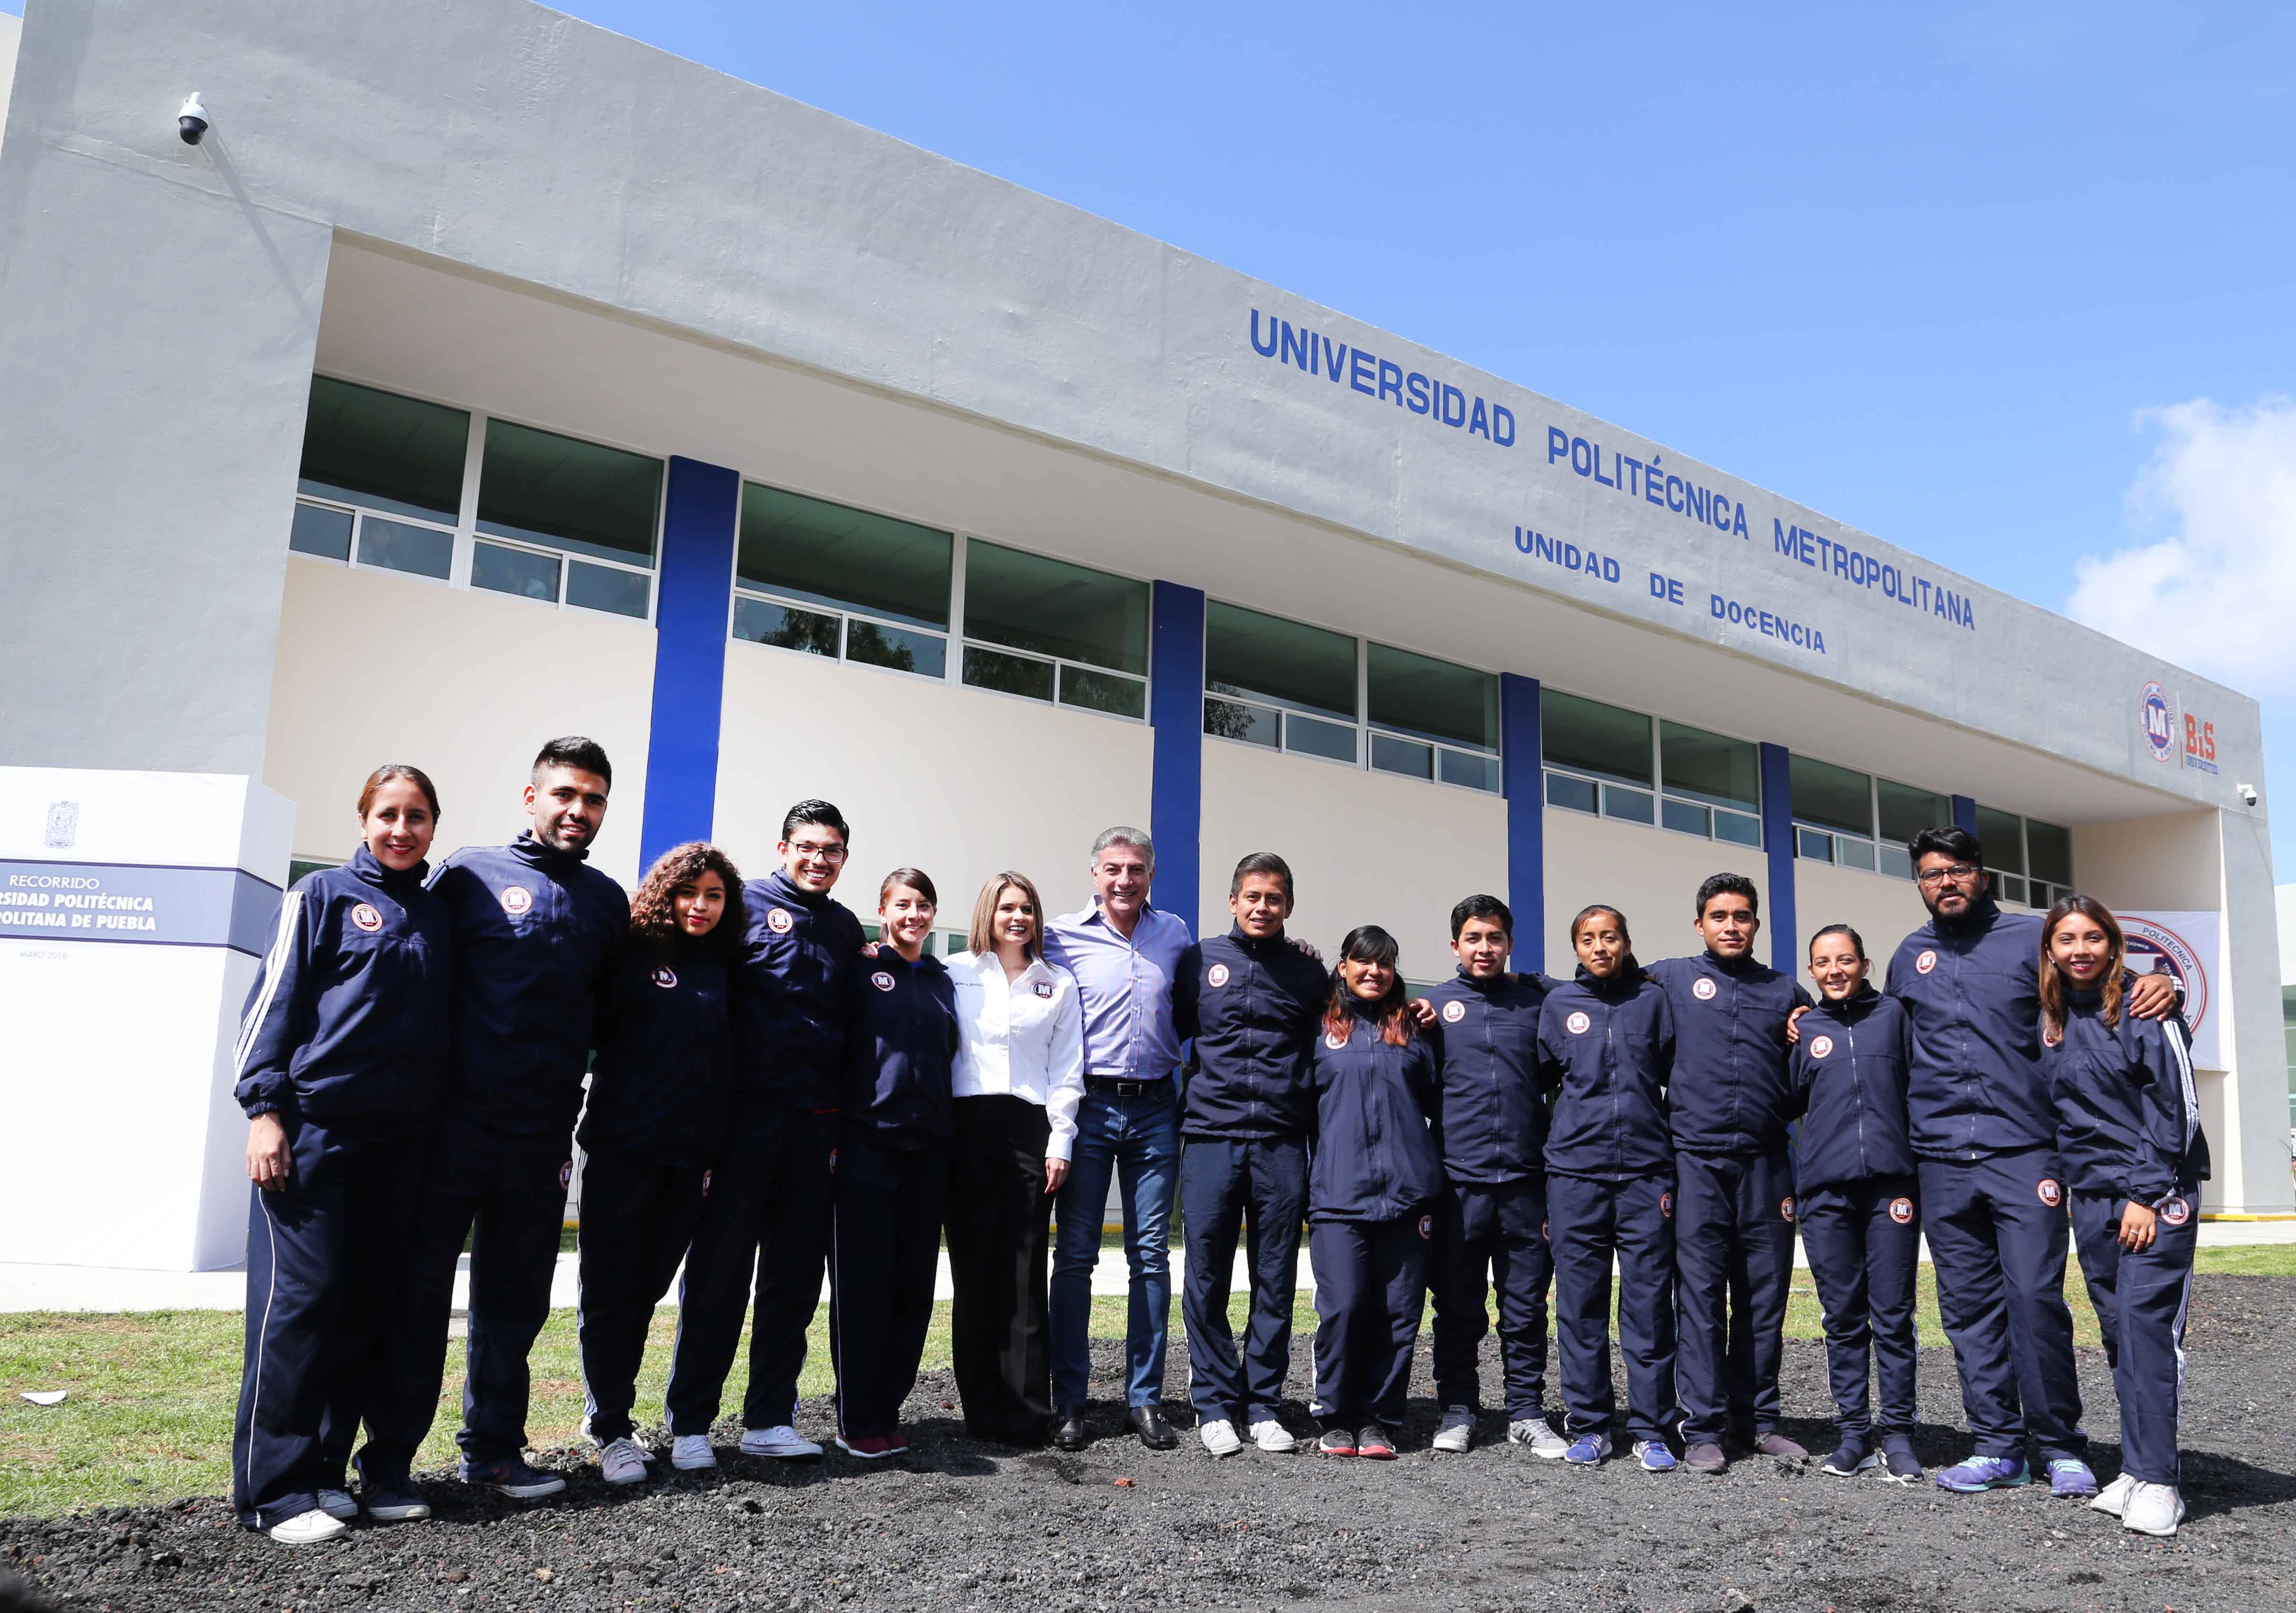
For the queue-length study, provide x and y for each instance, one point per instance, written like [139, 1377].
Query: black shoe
[1068, 1433]
[1155, 1433]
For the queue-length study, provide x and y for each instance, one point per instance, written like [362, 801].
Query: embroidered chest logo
[517, 900]
[778, 921]
[1577, 1024]
[1453, 1012]
[1702, 989]
[1217, 975]
[566, 1175]
[366, 918]
[2051, 1193]
[1427, 1226]
[1901, 1211]
[665, 979]
[1925, 962]
[1821, 1046]
[1334, 1041]
[882, 980]
[2176, 1211]
[1043, 989]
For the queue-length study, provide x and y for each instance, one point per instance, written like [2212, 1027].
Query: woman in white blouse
[1019, 1078]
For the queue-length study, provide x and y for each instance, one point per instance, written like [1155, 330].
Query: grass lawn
[149, 1414]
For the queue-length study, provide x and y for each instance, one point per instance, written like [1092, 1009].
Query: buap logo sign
[2159, 720]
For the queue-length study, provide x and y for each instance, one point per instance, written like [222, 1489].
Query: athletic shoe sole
[1980, 1489]
[1873, 1459]
[812, 1455]
[868, 1455]
[416, 1512]
[521, 1491]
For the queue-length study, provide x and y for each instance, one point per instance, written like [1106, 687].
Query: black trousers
[999, 1236]
[1734, 1237]
[326, 1316]
[1495, 1232]
[506, 1195]
[1371, 1286]
[2141, 1300]
[1593, 1219]
[1864, 1239]
[637, 1219]
[765, 1220]
[1256, 1187]
[882, 1257]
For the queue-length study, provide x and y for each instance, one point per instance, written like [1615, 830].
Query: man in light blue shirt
[1124, 954]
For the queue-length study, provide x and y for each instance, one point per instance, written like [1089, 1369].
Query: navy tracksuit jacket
[1859, 1202]
[1252, 1007]
[1490, 1219]
[1606, 1050]
[659, 1096]
[901, 1037]
[1992, 1192]
[347, 1038]
[1733, 1203]
[2128, 1128]
[537, 931]
[762, 1244]
[1372, 1190]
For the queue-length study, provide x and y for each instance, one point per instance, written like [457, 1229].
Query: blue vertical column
[1520, 781]
[1778, 844]
[1175, 711]
[692, 598]
[1965, 814]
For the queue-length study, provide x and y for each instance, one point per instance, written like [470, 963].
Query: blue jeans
[1136, 1140]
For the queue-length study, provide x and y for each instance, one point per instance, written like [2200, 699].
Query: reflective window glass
[899, 648]
[1103, 691]
[1284, 663]
[828, 554]
[1576, 794]
[1608, 741]
[395, 546]
[1030, 601]
[1835, 797]
[2002, 834]
[1392, 755]
[1684, 817]
[1737, 828]
[1417, 695]
[1709, 768]
[568, 494]
[607, 588]
[2052, 851]
[384, 451]
[1318, 737]
[1632, 805]
[1253, 725]
[762, 623]
[520, 572]
[1465, 768]
[1009, 673]
[321, 531]
[1907, 811]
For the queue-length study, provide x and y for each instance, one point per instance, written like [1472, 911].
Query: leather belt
[1118, 1087]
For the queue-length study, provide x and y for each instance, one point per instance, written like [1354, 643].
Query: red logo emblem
[1925, 962]
[1786, 1207]
[1043, 989]
[1821, 1046]
[1427, 1226]
[1702, 989]
[1901, 1211]
[2051, 1193]
[1454, 1012]
[366, 918]
[1334, 1041]
[566, 1175]
[778, 921]
[2176, 1211]
[1577, 1024]
[517, 900]
[1665, 1204]
[882, 980]
[665, 979]
[1217, 975]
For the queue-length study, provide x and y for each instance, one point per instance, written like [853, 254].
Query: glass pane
[520, 572]
[761, 623]
[1253, 725]
[571, 494]
[2051, 850]
[1737, 828]
[395, 546]
[1008, 674]
[1684, 816]
[1284, 663]
[1563, 790]
[1832, 796]
[298, 867]
[1896, 861]
[1856, 854]
[1433, 698]
[318, 530]
[1632, 805]
[1815, 844]
[1466, 767]
[2010, 888]
[1907, 811]
[2002, 834]
[1709, 768]
[1103, 691]
[1054, 608]
[606, 588]
[826, 553]
[384, 451]
[1391, 755]
[1316, 738]
[1594, 738]
[925, 654]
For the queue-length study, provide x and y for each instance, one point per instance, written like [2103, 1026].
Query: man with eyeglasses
[766, 1208]
[1985, 1141]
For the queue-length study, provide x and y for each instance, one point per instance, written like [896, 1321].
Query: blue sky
[2009, 286]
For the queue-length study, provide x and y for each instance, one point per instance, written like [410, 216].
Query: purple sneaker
[1984, 1473]
[2070, 1480]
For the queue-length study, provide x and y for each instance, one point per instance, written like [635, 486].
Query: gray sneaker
[1543, 1440]
[1457, 1431]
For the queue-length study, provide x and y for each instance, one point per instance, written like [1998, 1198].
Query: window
[2032, 862]
[382, 480]
[1905, 813]
[1712, 784]
[1052, 631]
[1279, 683]
[562, 520]
[1833, 813]
[298, 866]
[2048, 862]
[1431, 719]
[1597, 757]
[881, 585]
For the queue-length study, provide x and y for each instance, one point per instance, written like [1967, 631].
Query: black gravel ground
[958, 1525]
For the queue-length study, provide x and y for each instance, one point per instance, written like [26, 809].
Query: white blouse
[1024, 1036]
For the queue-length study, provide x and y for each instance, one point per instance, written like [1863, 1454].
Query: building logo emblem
[2170, 954]
[63, 826]
[2051, 1193]
[366, 918]
[1822, 1046]
[1454, 1012]
[517, 900]
[665, 979]
[2176, 1211]
[1577, 1024]
[1901, 1211]
[1925, 962]
[882, 980]
[2158, 721]
[1702, 989]
[778, 921]
[1217, 975]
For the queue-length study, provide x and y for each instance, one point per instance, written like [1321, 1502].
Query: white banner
[2186, 946]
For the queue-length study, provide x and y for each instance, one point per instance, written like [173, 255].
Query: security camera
[192, 119]
[2248, 794]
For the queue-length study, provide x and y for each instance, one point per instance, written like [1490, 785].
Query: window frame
[961, 572]
[1655, 792]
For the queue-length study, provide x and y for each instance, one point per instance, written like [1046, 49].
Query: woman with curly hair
[661, 1092]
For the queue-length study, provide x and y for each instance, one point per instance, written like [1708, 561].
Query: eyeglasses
[825, 854]
[1957, 873]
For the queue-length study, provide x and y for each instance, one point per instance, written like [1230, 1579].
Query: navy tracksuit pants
[1256, 1187]
[765, 1220]
[882, 1258]
[637, 1219]
[1592, 1219]
[1997, 1234]
[2141, 1300]
[1734, 1237]
[1371, 1286]
[1864, 1239]
[326, 1317]
[1492, 1236]
[506, 1195]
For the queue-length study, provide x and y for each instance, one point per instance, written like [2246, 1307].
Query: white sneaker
[691, 1453]
[1457, 1431]
[2114, 1497]
[307, 1528]
[338, 1503]
[1218, 1435]
[622, 1462]
[1273, 1437]
[1543, 1440]
[2152, 1509]
[783, 1441]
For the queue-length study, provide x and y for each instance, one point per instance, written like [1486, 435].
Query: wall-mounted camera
[2248, 793]
[192, 119]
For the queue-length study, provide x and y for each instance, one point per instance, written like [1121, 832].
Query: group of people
[773, 1097]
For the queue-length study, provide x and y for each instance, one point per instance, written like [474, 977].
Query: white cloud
[2216, 590]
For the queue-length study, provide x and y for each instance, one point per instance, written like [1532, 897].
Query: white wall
[1882, 910]
[377, 667]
